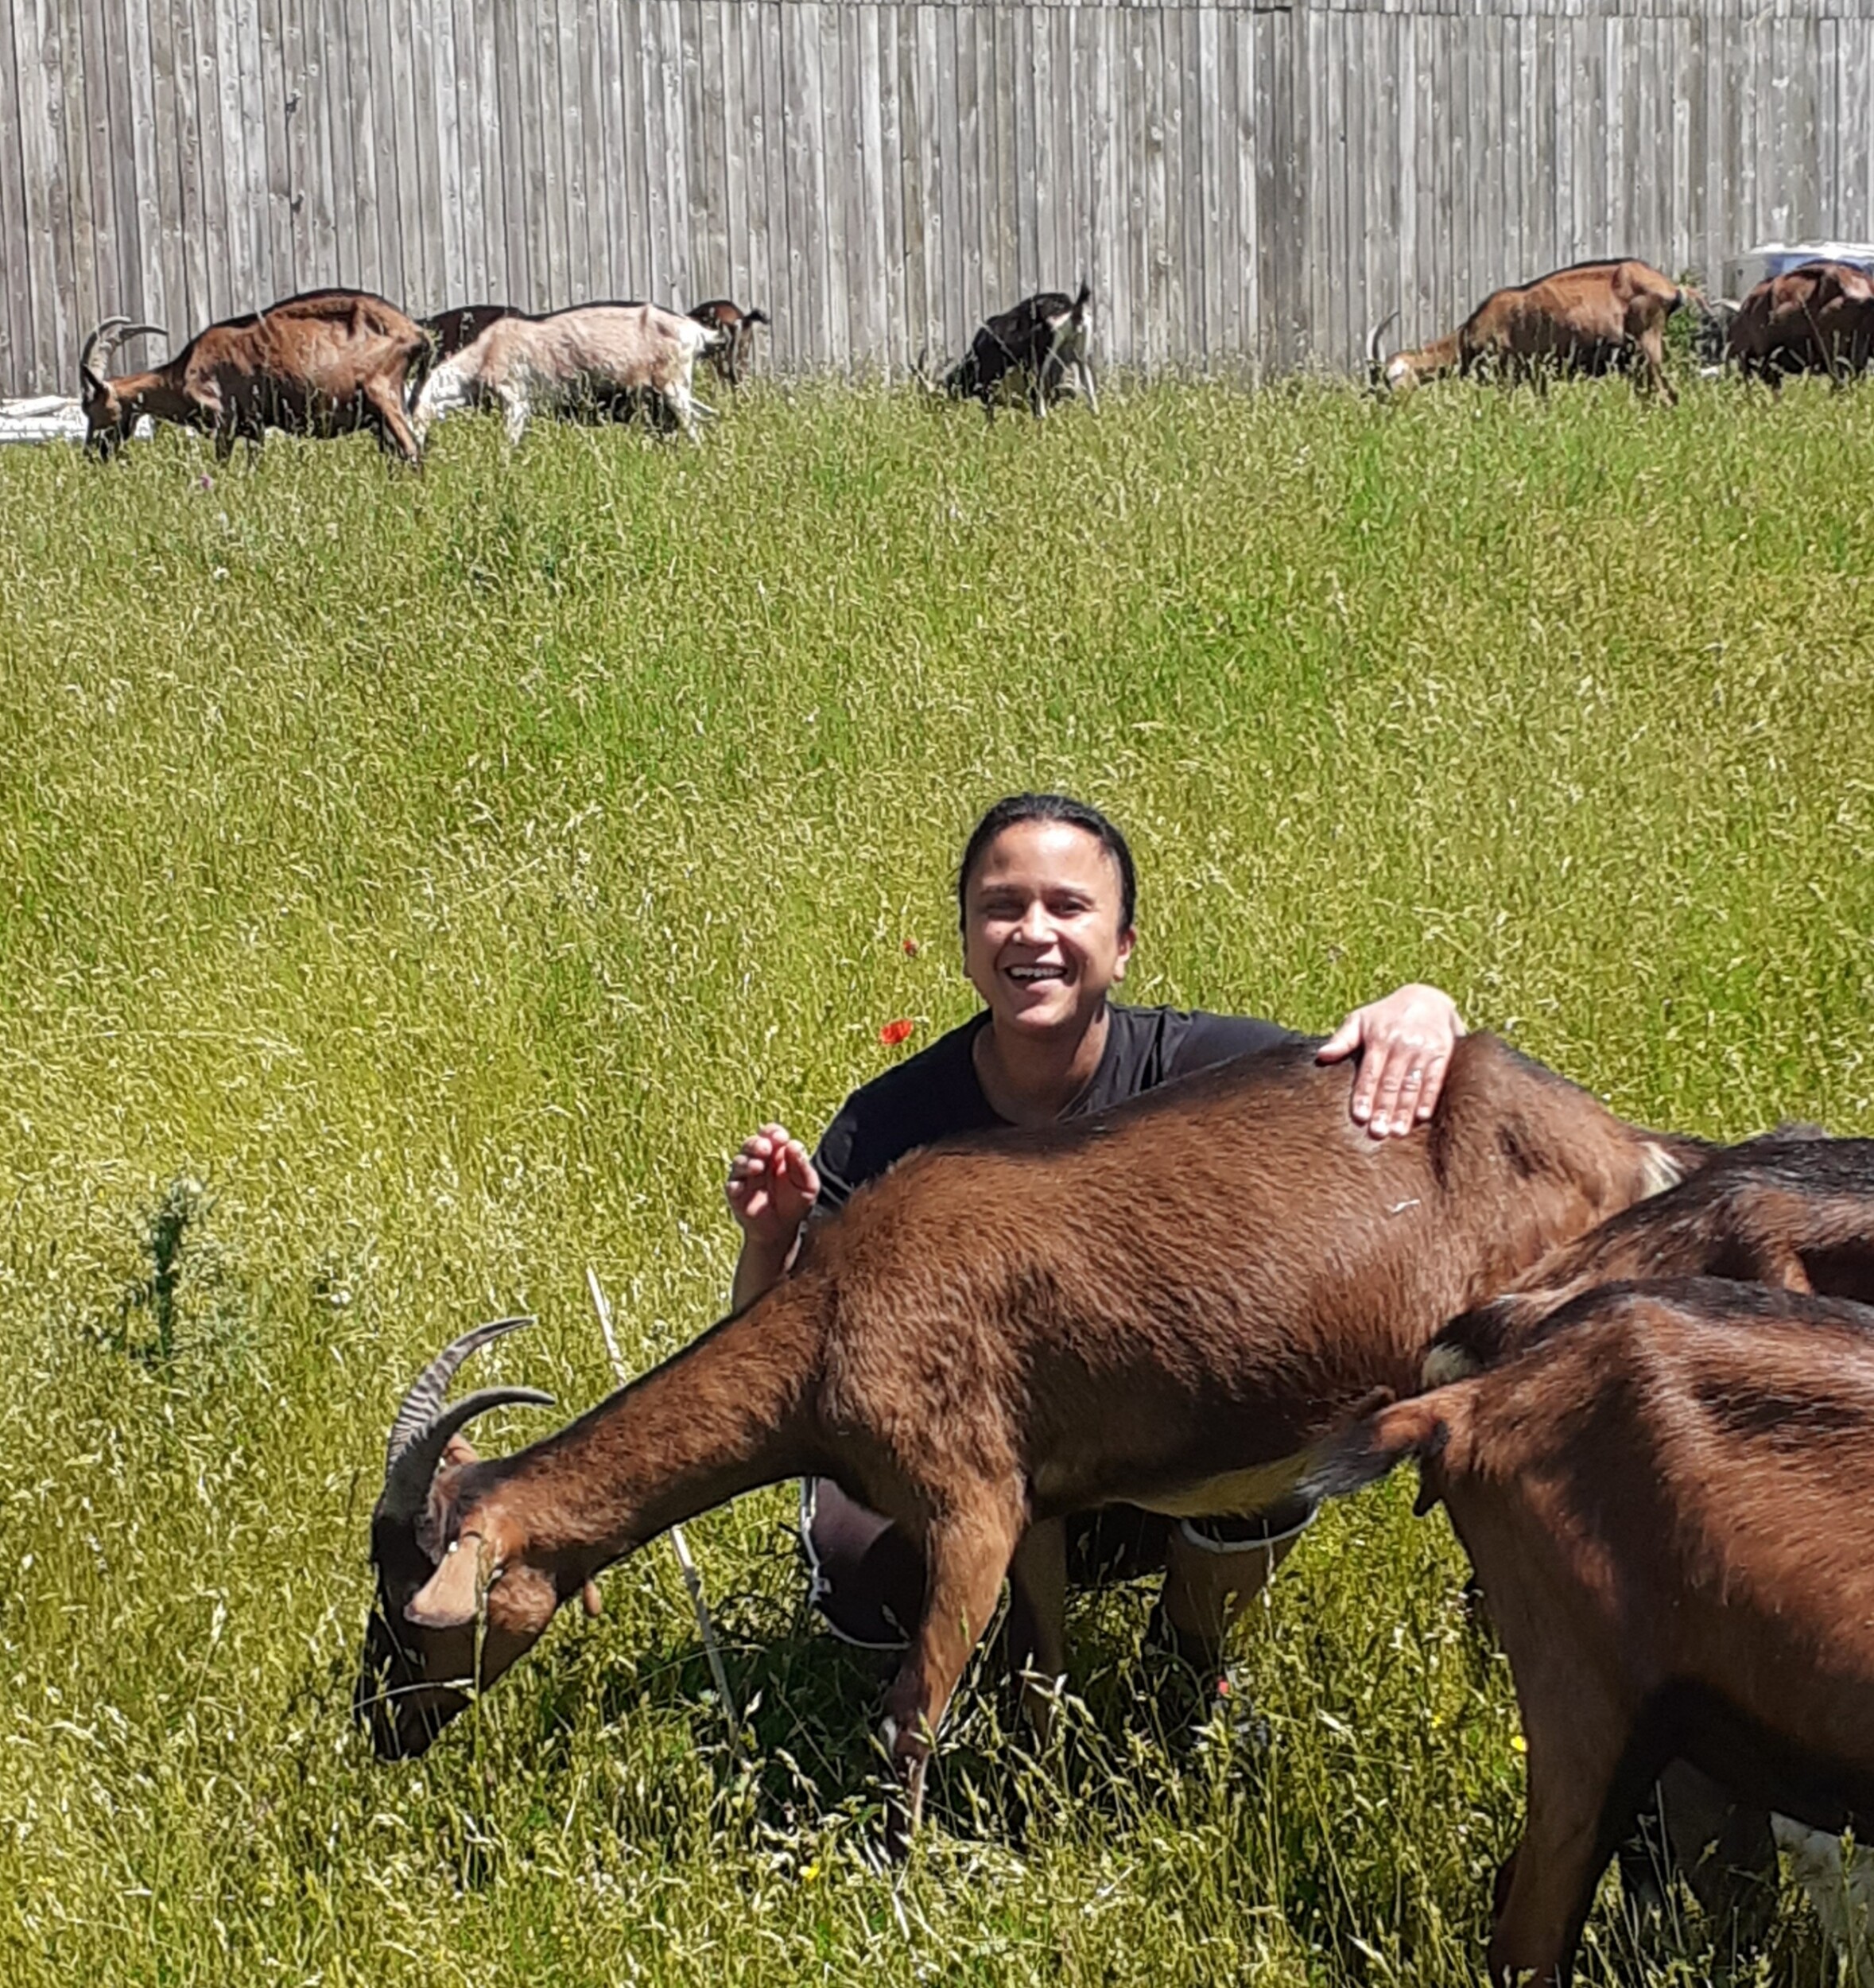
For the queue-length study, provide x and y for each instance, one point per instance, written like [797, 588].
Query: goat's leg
[1037, 1632]
[1573, 1762]
[515, 410]
[394, 428]
[1652, 347]
[1084, 374]
[966, 1555]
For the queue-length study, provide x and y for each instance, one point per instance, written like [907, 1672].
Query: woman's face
[1042, 937]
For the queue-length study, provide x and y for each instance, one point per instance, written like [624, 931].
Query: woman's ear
[1128, 939]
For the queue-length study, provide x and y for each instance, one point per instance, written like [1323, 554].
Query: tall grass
[410, 888]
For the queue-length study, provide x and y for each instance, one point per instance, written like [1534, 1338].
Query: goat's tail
[756, 317]
[1081, 302]
[1366, 1450]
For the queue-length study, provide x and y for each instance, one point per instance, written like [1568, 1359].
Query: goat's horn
[406, 1480]
[424, 1403]
[100, 333]
[139, 331]
[1375, 358]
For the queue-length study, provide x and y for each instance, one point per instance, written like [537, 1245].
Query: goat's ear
[452, 1595]
[458, 1451]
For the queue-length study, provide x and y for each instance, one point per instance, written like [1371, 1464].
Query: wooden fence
[1244, 182]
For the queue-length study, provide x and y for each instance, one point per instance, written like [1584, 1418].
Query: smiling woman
[1047, 898]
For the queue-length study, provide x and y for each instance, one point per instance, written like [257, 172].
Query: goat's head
[110, 413]
[1384, 374]
[456, 1605]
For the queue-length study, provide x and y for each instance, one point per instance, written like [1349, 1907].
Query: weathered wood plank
[22, 369]
[709, 185]
[836, 273]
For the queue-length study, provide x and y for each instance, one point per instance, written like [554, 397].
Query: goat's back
[1791, 1207]
[1231, 1257]
[328, 342]
[617, 344]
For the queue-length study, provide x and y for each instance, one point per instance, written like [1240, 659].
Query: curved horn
[100, 334]
[406, 1481]
[1375, 358]
[424, 1403]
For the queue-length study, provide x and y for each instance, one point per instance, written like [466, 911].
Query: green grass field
[410, 890]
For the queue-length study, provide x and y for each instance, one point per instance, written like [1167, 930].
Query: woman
[1047, 895]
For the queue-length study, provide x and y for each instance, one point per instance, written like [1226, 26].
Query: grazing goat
[1793, 1208]
[977, 1345]
[1660, 1499]
[595, 354]
[737, 328]
[1037, 348]
[1591, 318]
[328, 363]
[1818, 318]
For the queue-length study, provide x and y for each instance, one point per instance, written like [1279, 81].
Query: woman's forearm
[759, 1268]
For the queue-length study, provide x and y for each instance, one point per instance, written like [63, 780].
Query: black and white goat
[1037, 349]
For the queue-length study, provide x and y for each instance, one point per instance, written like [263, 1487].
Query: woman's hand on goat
[772, 1188]
[1404, 1043]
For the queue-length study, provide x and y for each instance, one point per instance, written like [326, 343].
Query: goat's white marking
[1400, 1207]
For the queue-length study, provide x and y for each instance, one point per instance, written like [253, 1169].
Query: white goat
[593, 355]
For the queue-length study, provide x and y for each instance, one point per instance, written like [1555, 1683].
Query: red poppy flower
[894, 1033]
[910, 948]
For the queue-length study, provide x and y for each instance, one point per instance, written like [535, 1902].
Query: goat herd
[1633, 1368]
[336, 361]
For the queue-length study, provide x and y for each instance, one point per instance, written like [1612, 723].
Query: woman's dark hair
[1049, 807]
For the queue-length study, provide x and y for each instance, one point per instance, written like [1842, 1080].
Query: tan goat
[591, 355]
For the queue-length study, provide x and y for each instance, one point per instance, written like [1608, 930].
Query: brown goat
[1661, 1501]
[1818, 318]
[1793, 1209]
[1591, 318]
[1141, 1305]
[328, 363]
[731, 358]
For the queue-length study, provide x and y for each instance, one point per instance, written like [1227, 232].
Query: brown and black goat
[328, 363]
[1817, 318]
[1036, 350]
[730, 360]
[1141, 1305]
[1592, 318]
[1661, 1500]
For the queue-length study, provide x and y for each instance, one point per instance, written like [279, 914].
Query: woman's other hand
[772, 1187]
[1404, 1044]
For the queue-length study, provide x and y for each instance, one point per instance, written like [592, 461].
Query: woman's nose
[1035, 927]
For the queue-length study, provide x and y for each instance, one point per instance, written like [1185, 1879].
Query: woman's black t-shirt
[936, 1093]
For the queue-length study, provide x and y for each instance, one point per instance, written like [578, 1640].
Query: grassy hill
[411, 887]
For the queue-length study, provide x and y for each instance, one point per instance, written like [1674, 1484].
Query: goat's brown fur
[1589, 318]
[1792, 1209]
[1662, 1501]
[730, 360]
[1143, 1306]
[1818, 318]
[328, 363]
